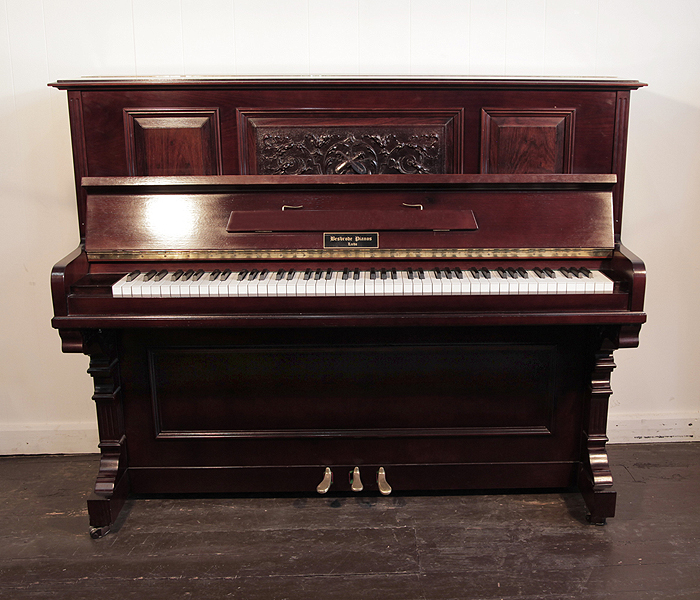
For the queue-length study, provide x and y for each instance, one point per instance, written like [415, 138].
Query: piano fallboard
[312, 218]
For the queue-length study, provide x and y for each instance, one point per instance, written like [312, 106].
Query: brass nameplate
[351, 240]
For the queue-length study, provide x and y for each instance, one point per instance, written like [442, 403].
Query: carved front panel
[311, 142]
[527, 140]
[172, 141]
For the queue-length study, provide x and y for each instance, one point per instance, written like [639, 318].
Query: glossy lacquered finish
[388, 394]
[231, 126]
[218, 220]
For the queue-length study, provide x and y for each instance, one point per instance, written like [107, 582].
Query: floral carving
[336, 151]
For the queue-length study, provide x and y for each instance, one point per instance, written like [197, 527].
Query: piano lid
[363, 217]
[344, 82]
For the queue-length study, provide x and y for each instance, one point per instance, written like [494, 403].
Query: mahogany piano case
[349, 286]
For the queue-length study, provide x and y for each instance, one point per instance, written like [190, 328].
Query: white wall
[45, 401]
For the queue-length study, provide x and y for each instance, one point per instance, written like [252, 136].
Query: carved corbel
[111, 486]
[595, 477]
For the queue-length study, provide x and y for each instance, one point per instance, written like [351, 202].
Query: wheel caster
[98, 532]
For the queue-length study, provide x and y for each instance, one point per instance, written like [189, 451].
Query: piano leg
[112, 484]
[595, 478]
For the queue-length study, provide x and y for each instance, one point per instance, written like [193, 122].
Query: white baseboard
[626, 429]
[82, 437]
[46, 438]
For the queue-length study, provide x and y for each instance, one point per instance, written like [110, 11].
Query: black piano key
[263, 274]
[290, 274]
[161, 274]
[585, 272]
[356, 274]
[150, 275]
[565, 272]
[549, 273]
[177, 274]
[523, 273]
[394, 274]
[486, 273]
[447, 272]
[575, 272]
[307, 274]
[409, 272]
[458, 273]
[329, 274]
[214, 275]
[539, 272]
[502, 272]
[512, 272]
[421, 273]
[133, 275]
[188, 274]
[373, 273]
[280, 274]
[197, 275]
[383, 274]
[242, 274]
[438, 274]
[475, 272]
[225, 274]
[317, 274]
[346, 274]
[253, 274]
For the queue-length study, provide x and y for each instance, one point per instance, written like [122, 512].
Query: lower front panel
[401, 478]
[438, 408]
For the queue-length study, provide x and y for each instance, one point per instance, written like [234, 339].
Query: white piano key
[321, 283]
[290, 284]
[532, 283]
[117, 288]
[136, 286]
[603, 284]
[456, 288]
[390, 284]
[339, 284]
[264, 280]
[445, 284]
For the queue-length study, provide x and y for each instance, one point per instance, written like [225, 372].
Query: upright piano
[349, 286]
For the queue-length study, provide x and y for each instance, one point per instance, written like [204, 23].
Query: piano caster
[325, 485]
[355, 481]
[382, 483]
[98, 532]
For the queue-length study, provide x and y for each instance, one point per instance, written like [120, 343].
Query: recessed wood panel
[527, 141]
[328, 142]
[350, 390]
[169, 141]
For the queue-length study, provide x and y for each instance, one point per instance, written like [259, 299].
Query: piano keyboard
[356, 282]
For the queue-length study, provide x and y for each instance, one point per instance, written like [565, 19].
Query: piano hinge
[357, 253]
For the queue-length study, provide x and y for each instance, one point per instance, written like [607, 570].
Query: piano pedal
[355, 481]
[382, 483]
[326, 482]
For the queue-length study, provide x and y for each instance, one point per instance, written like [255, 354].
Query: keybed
[348, 281]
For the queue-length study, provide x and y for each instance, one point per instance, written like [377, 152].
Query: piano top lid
[341, 81]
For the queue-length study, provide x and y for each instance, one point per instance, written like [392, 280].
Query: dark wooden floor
[525, 546]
